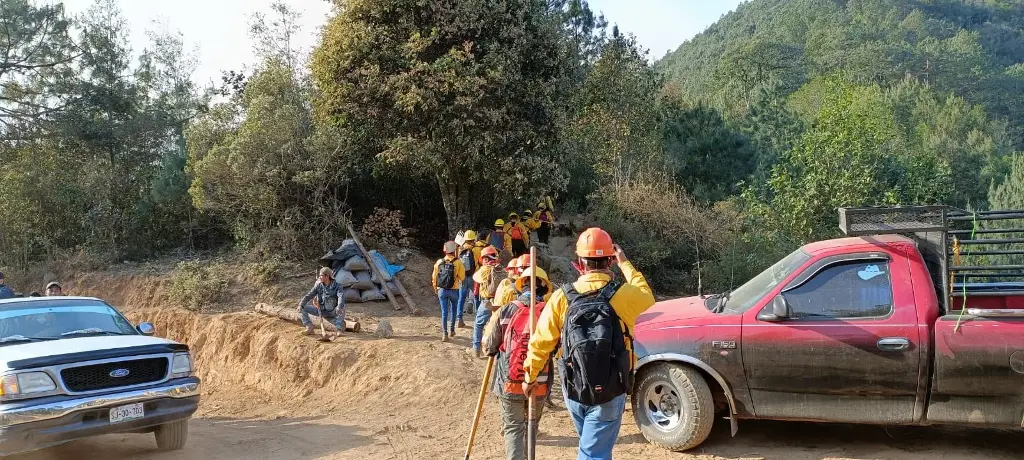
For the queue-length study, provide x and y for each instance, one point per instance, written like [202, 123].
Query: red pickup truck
[916, 319]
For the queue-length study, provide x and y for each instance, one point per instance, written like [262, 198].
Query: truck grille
[98, 376]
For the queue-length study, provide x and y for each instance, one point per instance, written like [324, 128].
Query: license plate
[126, 413]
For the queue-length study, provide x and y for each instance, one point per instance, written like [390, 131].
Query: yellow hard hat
[524, 278]
[499, 223]
[470, 235]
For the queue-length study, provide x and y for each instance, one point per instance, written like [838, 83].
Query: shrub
[262, 273]
[665, 233]
[195, 286]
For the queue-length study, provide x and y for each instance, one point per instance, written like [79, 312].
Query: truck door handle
[893, 344]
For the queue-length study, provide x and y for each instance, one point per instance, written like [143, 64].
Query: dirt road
[322, 438]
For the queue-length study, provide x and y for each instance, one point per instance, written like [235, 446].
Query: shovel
[323, 332]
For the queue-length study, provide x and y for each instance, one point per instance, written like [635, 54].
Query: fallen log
[292, 315]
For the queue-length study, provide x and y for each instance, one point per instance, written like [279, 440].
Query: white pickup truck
[74, 367]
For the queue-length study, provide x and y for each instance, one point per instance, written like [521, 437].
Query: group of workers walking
[585, 325]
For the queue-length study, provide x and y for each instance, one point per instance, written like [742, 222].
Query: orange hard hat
[595, 243]
[512, 264]
[525, 261]
[489, 251]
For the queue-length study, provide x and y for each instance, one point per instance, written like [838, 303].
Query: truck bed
[978, 373]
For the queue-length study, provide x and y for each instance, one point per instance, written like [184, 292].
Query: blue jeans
[465, 295]
[331, 316]
[483, 315]
[597, 426]
[448, 298]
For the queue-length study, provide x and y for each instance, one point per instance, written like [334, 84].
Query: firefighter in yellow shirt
[597, 422]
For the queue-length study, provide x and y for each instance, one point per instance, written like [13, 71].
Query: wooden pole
[531, 447]
[408, 298]
[292, 315]
[373, 266]
[479, 406]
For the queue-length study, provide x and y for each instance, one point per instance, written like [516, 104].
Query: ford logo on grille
[118, 373]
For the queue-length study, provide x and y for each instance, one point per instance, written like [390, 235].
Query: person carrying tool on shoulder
[469, 255]
[446, 279]
[517, 236]
[547, 220]
[531, 221]
[488, 277]
[329, 302]
[599, 312]
[508, 339]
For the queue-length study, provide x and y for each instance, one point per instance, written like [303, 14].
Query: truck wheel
[673, 407]
[172, 436]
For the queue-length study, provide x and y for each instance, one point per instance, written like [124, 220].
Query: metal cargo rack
[980, 252]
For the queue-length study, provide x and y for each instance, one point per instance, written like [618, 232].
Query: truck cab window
[847, 290]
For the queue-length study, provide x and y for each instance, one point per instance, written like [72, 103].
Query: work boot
[474, 351]
[444, 337]
[462, 324]
[308, 331]
[451, 333]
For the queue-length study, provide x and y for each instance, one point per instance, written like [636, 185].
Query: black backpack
[596, 366]
[446, 274]
[468, 261]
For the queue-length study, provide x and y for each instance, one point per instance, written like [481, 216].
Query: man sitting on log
[328, 301]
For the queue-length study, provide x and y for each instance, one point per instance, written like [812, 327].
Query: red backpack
[515, 232]
[516, 345]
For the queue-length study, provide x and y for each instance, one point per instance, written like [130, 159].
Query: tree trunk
[458, 207]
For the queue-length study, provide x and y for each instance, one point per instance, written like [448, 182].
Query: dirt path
[324, 438]
[269, 393]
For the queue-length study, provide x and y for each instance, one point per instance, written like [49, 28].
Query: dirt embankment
[270, 393]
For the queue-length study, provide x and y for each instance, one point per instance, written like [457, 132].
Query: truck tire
[673, 406]
[172, 436]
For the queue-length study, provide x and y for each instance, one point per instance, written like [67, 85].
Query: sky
[219, 28]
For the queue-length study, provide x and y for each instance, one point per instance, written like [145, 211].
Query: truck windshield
[745, 296]
[51, 319]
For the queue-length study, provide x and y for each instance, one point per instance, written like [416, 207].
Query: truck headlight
[181, 366]
[25, 384]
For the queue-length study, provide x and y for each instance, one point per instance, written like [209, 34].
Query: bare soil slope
[270, 393]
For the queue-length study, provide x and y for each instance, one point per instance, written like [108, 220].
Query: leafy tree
[852, 156]
[462, 93]
[710, 159]
[613, 136]
[37, 51]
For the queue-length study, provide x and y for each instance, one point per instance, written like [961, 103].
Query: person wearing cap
[598, 426]
[448, 276]
[517, 236]
[5, 291]
[329, 301]
[53, 289]
[488, 277]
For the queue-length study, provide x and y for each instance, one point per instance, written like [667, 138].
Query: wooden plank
[292, 315]
[408, 298]
[373, 266]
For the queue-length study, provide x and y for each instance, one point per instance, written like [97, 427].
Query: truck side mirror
[146, 329]
[780, 310]
[780, 307]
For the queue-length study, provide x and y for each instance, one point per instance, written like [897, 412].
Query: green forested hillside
[973, 48]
